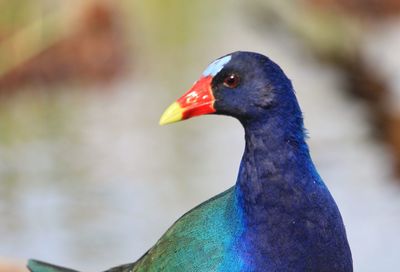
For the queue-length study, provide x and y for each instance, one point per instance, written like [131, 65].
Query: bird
[279, 215]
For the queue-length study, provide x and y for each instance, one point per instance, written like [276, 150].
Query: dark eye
[232, 81]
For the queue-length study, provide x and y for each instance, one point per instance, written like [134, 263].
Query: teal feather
[213, 223]
[204, 236]
[38, 266]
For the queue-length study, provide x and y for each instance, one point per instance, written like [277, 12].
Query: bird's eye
[232, 81]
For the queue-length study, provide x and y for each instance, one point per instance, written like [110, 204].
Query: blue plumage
[279, 216]
[291, 221]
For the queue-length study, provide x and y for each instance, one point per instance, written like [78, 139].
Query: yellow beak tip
[172, 114]
[163, 122]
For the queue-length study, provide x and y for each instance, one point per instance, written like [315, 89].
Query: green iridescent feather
[203, 236]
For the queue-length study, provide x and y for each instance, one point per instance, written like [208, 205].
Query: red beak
[197, 101]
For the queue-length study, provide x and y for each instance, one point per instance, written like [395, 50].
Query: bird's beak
[197, 101]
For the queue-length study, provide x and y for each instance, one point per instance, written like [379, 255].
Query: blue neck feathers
[291, 222]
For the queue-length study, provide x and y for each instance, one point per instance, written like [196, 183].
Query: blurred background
[89, 180]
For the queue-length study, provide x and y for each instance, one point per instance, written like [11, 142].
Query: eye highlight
[231, 81]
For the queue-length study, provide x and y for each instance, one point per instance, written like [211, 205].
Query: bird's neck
[286, 210]
[276, 158]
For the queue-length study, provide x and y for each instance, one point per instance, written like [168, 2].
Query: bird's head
[243, 85]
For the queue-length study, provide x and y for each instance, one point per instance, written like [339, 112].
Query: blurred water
[89, 179]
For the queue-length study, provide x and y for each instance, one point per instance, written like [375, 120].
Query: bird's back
[201, 240]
